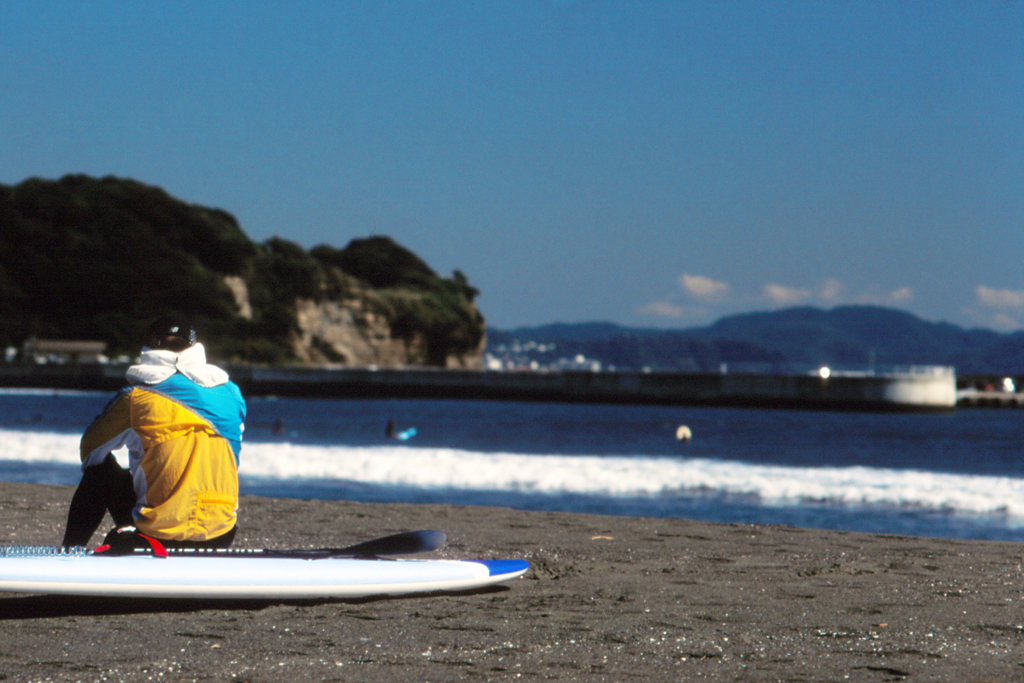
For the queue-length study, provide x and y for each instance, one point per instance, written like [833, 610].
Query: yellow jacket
[183, 440]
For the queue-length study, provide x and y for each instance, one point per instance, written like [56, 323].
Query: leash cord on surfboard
[406, 543]
[43, 551]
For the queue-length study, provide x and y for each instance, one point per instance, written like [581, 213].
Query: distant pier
[989, 391]
[919, 389]
[914, 389]
[974, 398]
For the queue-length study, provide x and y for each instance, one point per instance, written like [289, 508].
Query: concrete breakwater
[924, 390]
[916, 389]
[974, 398]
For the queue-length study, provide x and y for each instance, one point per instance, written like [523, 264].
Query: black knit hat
[171, 332]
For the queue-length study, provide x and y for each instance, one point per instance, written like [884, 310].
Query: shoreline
[606, 599]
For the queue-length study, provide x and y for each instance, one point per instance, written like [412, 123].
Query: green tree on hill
[87, 258]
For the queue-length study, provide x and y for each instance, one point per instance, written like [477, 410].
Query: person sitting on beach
[182, 421]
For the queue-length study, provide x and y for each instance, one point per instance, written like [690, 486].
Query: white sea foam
[436, 468]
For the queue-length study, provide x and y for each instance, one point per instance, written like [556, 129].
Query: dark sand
[607, 599]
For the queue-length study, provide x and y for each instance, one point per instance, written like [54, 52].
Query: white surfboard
[239, 574]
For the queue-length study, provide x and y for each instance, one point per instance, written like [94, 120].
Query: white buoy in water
[684, 433]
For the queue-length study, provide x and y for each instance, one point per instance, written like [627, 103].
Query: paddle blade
[405, 543]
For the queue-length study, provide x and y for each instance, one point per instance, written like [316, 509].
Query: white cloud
[703, 288]
[834, 293]
[831, 290]
[903, 295]
[781, 295]
[999, 298]
[705, 297]
[1003, 322]
[986, 318]
[661, 309]
[997, 309]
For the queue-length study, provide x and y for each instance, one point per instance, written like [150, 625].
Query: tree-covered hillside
[98, 259]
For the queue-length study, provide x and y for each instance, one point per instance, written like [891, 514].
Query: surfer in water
[404, 435]
[181, 420]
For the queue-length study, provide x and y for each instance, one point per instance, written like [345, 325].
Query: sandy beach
[606, 599]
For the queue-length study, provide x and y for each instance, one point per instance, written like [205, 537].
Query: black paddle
[406, 543]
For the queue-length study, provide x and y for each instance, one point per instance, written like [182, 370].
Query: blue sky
[656, 164]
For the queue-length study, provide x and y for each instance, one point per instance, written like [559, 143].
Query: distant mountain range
[791, 340]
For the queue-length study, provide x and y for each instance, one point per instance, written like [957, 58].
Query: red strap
[158, 549]
[155, 546]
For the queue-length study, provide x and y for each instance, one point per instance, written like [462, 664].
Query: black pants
[108, 487]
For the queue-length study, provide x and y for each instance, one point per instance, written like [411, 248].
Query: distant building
[63, 351]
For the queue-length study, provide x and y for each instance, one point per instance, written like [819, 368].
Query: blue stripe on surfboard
[500, 567]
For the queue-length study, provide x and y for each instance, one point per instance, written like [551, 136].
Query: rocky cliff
[86, 258]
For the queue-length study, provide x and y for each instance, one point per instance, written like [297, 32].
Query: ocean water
[953, 475]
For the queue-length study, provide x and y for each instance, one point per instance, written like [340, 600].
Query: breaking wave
[595, 476]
